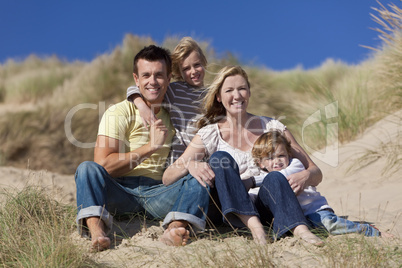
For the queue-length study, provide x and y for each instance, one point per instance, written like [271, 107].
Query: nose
[153, 80]
[236, 94]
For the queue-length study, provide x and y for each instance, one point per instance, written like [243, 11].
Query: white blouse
[213, 142]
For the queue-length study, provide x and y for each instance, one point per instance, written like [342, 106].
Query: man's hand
[202, 172]
[157, 134]
[297, 181]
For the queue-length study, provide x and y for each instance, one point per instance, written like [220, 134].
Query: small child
[182, 98]
[272, 152]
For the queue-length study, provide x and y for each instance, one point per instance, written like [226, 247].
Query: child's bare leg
[304, 233]
[96, 227]
[256, 228]
[176, 234]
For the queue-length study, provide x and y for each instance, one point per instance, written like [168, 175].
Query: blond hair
[212, 110]
[182, 51]
[267, 143]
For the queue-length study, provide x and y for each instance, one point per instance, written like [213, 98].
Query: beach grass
[35, 230]
[41, 94]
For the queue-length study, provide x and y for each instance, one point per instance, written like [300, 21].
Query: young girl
[182, 97]
[272, 152]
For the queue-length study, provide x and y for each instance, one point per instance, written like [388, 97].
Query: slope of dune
[370, 193]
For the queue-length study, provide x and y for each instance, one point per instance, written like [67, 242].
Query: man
[126, 174]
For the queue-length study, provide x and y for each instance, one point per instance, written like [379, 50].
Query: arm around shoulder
[312, 176]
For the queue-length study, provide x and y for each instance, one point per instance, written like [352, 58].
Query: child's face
[192, 70]
[276, 162]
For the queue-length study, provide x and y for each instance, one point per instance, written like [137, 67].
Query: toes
[100, 244]
[175, 236]
[312, 239]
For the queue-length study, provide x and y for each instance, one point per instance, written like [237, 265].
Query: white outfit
[213, 142]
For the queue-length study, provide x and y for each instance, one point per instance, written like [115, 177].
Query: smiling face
[234, 94]
[152, 80]
[277, 161]
[192, 70]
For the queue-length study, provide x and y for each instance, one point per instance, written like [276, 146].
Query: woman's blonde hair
[182, 51]
[267, 143]
[211, 108]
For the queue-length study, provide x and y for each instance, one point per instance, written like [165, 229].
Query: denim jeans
[276, 203]
[336, 225]
[100, 195]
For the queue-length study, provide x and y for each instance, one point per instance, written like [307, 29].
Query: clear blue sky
[280, 34]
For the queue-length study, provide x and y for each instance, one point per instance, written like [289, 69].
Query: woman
[227, 134]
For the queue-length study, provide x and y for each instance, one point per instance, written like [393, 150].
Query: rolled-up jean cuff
[94, 211]
[195, 222]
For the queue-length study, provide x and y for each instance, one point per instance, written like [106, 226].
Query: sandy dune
[372, 193]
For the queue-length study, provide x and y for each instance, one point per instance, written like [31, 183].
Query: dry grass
[362, 93]
[35, 232]
[35, 134]
[390, 151]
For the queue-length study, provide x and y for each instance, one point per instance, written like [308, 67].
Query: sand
[371, 193]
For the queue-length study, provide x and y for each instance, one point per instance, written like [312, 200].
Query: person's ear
[136, 80]
[218, 98]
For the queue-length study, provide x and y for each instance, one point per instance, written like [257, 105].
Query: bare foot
[99, 239]
[259, 236]
[256, 228]
[100, 243]
[176, 236]
[383, 234]
[311, 239]
[306, 235]
[387, 235]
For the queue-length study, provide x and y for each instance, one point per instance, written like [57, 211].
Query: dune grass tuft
[35, 232]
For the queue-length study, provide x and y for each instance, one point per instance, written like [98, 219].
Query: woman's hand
[202, 172]
[298, 181]
[190, 161]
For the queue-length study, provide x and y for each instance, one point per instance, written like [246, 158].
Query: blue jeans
[276, 204]
[336, 225]
[100, 195]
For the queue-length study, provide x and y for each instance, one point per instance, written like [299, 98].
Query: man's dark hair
[153, 53]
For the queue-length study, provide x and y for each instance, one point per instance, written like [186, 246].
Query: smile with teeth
[278, 166]
[238, 104]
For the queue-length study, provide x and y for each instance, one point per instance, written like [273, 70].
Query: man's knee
[87, 170]
[195, 187]
[192, 183]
